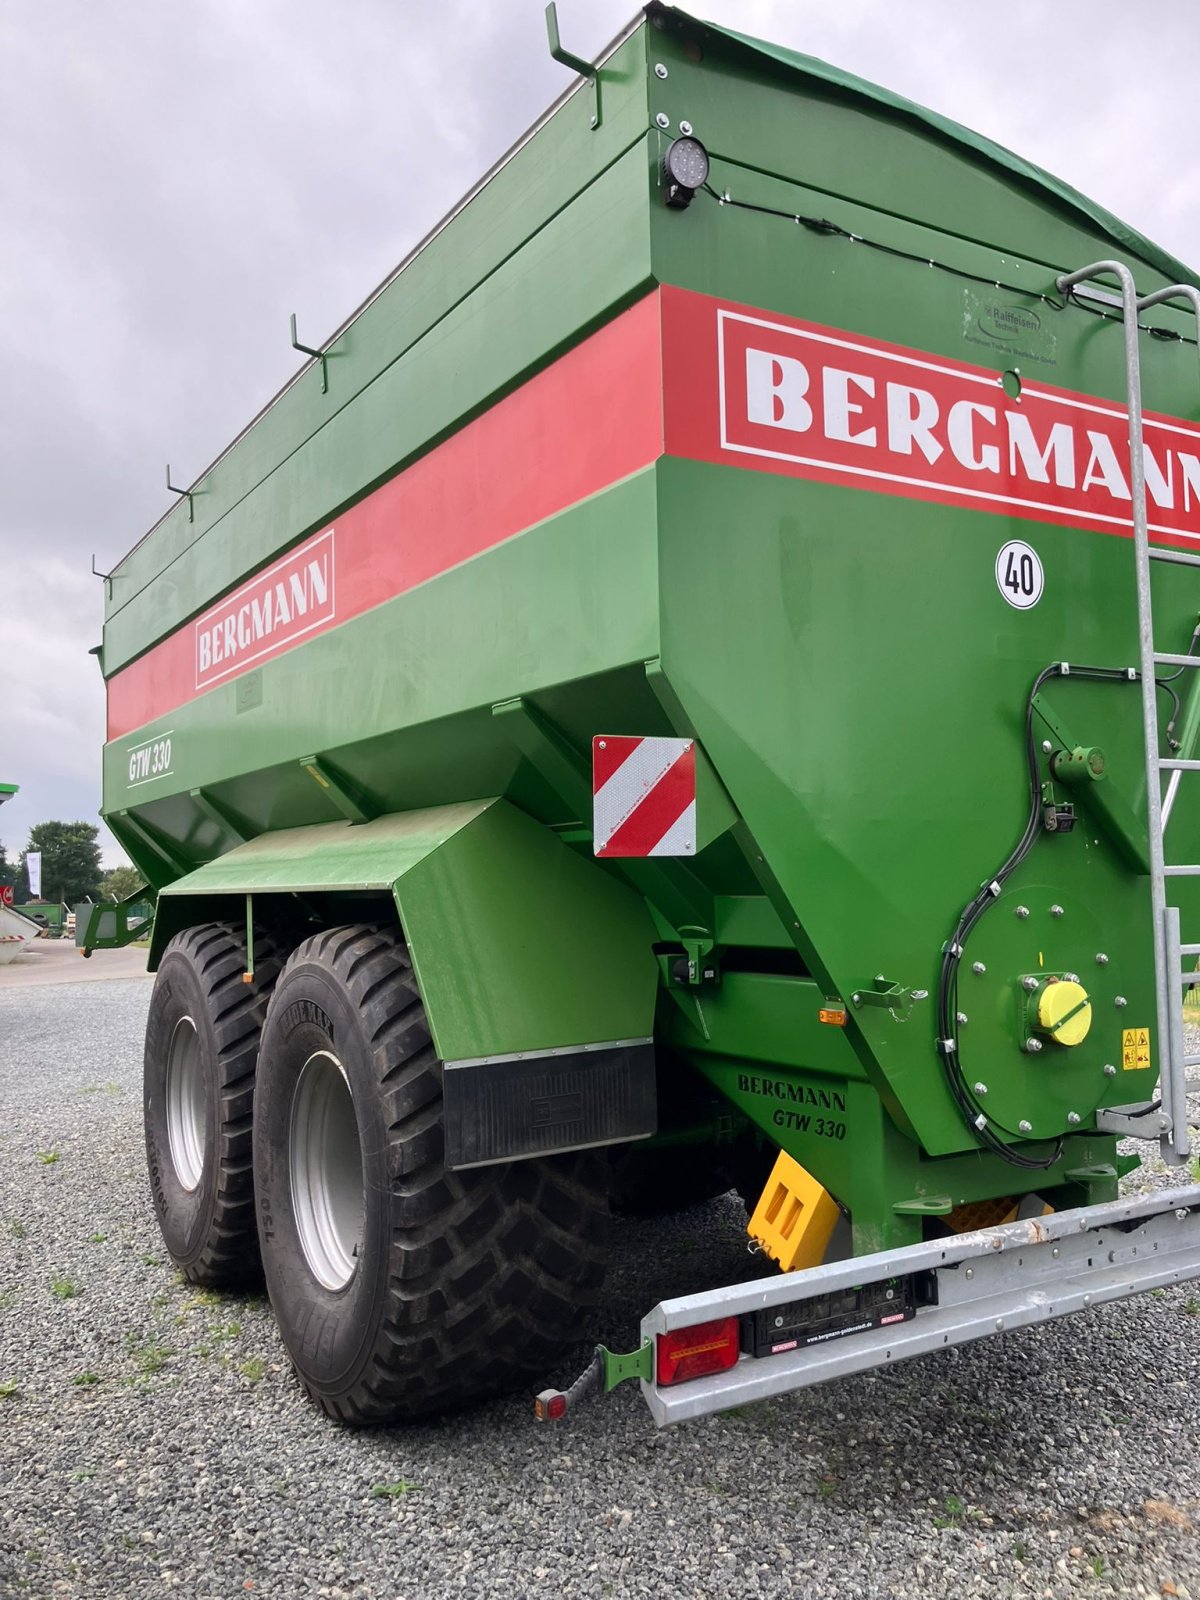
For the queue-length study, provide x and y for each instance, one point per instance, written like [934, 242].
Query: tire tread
[216, 951]
[492, 1269]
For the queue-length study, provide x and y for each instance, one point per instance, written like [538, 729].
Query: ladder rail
[1166, 996]
[1173, 1073]
[1176, 291]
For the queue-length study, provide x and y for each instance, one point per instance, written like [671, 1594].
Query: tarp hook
[576, 63]
[318, 355]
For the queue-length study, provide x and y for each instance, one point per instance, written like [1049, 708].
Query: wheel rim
[187, 1111]
[327, 1170]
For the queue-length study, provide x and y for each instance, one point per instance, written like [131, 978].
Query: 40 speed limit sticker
[150, 760]
[1019, 575]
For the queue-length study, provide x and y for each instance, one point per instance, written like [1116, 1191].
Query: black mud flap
[503, 1108]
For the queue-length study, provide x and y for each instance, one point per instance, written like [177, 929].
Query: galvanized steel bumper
[990, 1281]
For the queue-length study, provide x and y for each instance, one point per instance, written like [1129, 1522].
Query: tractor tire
[654, 1183]
[202, 1036]
[400, 1288]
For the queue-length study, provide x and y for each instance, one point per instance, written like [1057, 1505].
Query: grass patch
[394, 1490]
[85, 1380]
[97, 1238]
[253, 1369]
[953, 1512]
[150, 1358]
[64, 1288]
[17, 1229]
[10, 1389]
[203, 1297]
[48, 1158]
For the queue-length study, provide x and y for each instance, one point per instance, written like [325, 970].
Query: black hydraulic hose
[952, 953]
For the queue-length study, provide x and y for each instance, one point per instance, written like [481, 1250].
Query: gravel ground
[152, 1439]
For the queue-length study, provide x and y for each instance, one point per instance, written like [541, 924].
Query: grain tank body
[735, 439]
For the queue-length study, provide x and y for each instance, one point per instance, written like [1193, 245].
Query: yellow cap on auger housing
[1064, 1011]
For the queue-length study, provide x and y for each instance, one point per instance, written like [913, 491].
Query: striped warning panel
[643, 796]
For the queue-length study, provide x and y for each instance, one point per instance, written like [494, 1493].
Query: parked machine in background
[687, 687]
[51, 917]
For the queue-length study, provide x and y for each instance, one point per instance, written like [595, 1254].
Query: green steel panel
[521, 944]
[767, 262]
[879, 767]
[542, 177]
[590, 260]
[574, 596]
[329, 855]
[861, 94]
[759, 114]
[518, 942]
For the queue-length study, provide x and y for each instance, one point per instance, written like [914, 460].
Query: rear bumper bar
[985, 1282]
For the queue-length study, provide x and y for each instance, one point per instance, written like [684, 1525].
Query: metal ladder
[1169, 1120]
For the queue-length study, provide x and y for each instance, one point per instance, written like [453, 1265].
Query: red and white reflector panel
[643, 796]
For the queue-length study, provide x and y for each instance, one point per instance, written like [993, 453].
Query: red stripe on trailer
[590, 419]
[756, 389]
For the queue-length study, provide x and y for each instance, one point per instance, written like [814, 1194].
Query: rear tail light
[696, 1352]
[550, 1406]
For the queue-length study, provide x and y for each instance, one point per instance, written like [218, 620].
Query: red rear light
[696, 1352]
[550, 1406]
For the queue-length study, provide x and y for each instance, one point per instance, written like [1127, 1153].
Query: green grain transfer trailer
[663, 700]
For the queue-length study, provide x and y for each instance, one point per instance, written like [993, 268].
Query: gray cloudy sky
[176, 176]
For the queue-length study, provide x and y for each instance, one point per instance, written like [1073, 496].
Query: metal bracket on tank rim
[568, 59]
[318, 355]
[187, 494]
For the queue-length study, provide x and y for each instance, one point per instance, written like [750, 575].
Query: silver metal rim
[187, 1109]
[325, 1159]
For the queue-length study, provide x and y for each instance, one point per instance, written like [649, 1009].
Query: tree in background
[120, 883]
[8, 873]
[70, 861]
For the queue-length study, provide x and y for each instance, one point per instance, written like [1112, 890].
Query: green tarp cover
[1129, 239]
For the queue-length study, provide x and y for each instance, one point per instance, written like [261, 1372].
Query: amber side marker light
[834, 1015]
[697, 1352]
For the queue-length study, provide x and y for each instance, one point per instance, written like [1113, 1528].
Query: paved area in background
[58, 961]
[153, 1441]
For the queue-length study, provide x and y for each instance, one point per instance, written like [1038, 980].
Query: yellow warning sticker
[1135, 1048]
